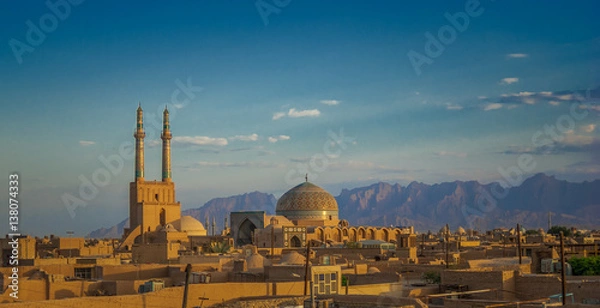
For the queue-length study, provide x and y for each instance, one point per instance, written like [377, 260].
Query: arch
[295, 241]
[345, 232]
[163, 217]
[320, 234]
[397, 233]
[386, 234]
[337, 235]
[371, 234]
[353, 235]
[361, 234]
[245, 232]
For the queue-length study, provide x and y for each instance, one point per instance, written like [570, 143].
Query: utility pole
[272, 239]
[306, 265]
[446, 240]
[562, 269]
[188, 269]
[519, 243]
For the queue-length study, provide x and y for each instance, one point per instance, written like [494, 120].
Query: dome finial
[306, 177]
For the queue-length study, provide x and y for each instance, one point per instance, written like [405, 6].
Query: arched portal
[295, 242]
[245, 233]
[163, 217]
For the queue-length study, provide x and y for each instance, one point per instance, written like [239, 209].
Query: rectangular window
[83, 273]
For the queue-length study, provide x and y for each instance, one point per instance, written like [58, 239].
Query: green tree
[219, 247]
[589, 266]
[555, 230]
[531, 232]
[432, 277]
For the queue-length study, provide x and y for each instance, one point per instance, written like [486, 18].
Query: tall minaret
[166, 147]
[139, 145]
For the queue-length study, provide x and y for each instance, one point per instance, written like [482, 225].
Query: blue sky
[268, 92]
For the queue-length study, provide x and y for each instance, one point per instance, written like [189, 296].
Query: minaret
[214, 226]
[166, 147]
[139, 145]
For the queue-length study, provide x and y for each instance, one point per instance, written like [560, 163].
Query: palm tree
[219, 247]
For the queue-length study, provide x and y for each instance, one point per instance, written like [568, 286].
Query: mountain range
[468, 204]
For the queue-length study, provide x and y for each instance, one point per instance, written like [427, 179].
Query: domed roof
[293, 258]
[168, 228]
[256, 262]
[307, 200]
[190, 225]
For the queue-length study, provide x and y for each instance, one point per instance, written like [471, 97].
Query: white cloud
[453, 107]
[590, 107]
[293, 113]
[278, 138]
[517, 55]
[589, 128]
[200, 140]
[252, 137]
[330, 102]
[85, 143]
[492, 106]
[278, 115]
[565, 97]
[570, 138]
[554, 103]
[509, 80]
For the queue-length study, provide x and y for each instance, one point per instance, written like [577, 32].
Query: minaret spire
[166, 147]
[139, 144]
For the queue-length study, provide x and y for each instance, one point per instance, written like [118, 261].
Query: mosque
[308, 215]
[157, 232]
[305, 215]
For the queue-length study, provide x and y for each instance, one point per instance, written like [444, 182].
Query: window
[83, 273]
[326, 283]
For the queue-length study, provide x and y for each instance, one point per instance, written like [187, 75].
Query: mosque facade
[157, 232]
[308, 215]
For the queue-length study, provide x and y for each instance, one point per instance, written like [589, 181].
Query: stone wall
[480, 280]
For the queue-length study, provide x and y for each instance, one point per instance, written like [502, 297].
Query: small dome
[373, 270]
[461, 231]
[307, 201]
[190, 225]
[168, 228]
[256, 262]
[293, 258]
[443, 230]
